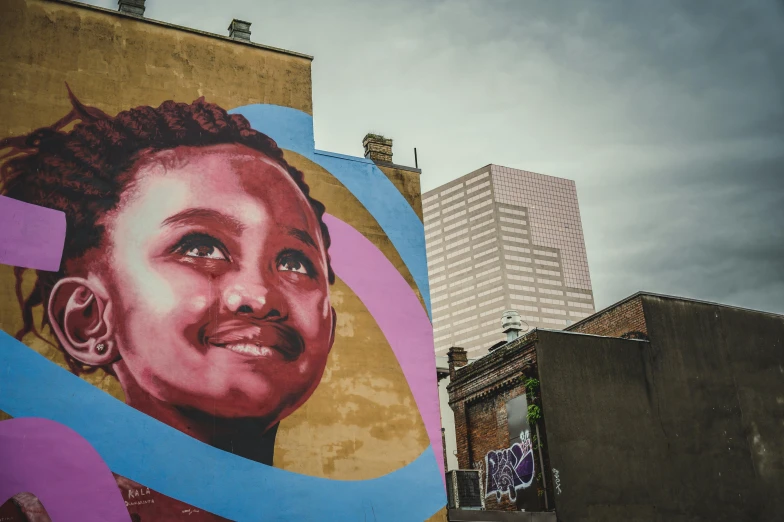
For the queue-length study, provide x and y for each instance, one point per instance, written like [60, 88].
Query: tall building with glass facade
[499, 239]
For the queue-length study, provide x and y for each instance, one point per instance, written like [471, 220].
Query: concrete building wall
[687, 426]
[498, 239]
[367, 408]
[448, 425]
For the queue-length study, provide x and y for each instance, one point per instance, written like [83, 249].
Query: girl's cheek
[197, 304]
[195, 296]
[312, 312]
[325, 307]
[187, 285]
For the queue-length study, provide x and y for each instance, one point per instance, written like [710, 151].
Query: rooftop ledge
[181, 28]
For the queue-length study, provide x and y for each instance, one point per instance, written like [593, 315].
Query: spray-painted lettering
[557, 481]
[510, 469]
[133, 493]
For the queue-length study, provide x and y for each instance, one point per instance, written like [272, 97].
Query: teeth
[250, 349]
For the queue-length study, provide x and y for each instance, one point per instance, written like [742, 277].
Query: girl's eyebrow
[194, 216]
[303, 236]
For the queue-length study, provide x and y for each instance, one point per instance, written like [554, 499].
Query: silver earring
[100, 348]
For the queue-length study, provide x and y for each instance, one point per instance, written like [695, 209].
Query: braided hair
[83, 172]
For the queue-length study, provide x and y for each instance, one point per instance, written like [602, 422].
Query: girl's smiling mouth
[256, 338]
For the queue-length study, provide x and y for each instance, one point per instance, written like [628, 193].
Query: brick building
[655, 408]
[483, 396]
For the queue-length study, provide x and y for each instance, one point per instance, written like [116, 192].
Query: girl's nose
[244, 297]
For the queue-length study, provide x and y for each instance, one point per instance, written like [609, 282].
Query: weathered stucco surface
[408, 183]
[115, 62]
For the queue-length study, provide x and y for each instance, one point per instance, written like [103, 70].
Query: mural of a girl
[195, 268]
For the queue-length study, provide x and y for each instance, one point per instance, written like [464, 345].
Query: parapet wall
[686, 426]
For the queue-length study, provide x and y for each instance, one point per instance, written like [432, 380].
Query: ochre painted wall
[116, 62]
[408, 183]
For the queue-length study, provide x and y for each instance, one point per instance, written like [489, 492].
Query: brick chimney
[457, 358]
[377, 148]
[134, 7]
[239, 30]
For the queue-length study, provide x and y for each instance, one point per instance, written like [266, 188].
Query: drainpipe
[541, 463]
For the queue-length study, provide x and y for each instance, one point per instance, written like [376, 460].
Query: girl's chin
[233, 409]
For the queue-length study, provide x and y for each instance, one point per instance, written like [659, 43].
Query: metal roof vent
[239, 30]
[511, 324]
[134, 7]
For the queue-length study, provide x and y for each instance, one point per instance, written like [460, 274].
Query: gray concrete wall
[688, 426]
[448, 425]
[466, 515]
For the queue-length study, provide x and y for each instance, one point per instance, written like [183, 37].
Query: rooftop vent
[512, 325]
[239, 30]
[377, 148]
[134, 7]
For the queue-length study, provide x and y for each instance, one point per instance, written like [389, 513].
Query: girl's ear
[80, 315]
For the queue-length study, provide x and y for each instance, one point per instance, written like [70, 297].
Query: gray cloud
[669, 115]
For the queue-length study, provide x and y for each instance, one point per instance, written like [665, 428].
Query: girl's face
[217, 276]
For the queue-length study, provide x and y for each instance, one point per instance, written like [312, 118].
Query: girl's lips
[260, 339]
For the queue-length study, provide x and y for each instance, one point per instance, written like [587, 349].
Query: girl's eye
[294, 261]
[201, 246]
[292, 265]
[206, 251]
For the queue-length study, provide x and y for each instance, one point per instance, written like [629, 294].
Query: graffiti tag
[139, 502]
[511, 469]
[136, 493]
[133, 493]
[556, 481]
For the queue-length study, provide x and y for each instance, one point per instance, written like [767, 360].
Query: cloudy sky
[669, 115]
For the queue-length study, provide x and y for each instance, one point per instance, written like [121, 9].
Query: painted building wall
[172, 339]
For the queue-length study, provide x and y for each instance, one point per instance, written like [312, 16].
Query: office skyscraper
[499, 239]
